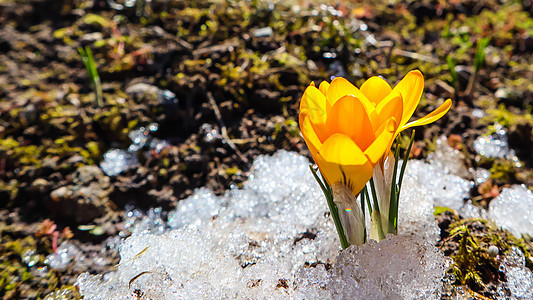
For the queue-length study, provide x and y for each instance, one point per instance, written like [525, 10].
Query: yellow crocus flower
[349, 130]
[341, 136]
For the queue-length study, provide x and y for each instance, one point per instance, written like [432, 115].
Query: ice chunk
[496, 145]
[519, 284]
[512, 210]
[415, 212]
[69, 256]
[442, 177]
[139, 138]
[448, 159]
[117, 161]
[399, 267]
[446, 189]
[209, 133]
[480, 175]
[65, 253]
[469, 210]
[191, 212]
[135, 221]
[143, 136]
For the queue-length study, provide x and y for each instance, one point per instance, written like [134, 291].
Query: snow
[271, 239]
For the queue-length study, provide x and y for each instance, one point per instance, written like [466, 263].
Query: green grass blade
[480, 52]
[453, 73]
[88, 61]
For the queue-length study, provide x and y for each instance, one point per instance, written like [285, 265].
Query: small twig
[225, 47]
[471, 83]
[131, 259]
[415, 55]
[223, 129]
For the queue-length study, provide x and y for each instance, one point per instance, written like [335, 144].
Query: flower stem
[393, 205]
[374, 195]
[326, 189]
[367, 198]
[376, 228]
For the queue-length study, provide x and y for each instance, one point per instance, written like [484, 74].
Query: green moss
[20, 257]
[233, 171]
[93, 19]
[506, 118]
[473, 265]
[441, 209]
[503, 170]
[8, 144]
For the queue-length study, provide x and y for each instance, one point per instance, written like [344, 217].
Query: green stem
[374, 194]
[393, 205]
[365, 191]
[376, 218]
[363, 194]
[326, 189]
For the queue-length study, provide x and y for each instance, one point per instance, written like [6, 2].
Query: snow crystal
[448, 159]
[513, 209]
[469, 210]
[442, 176]
[446, 189]
[415, 212]
[399, 267]
[519, 279]
[117, 161]
[65, 253]
[496, 145]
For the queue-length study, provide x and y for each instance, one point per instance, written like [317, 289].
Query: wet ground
[192, 92]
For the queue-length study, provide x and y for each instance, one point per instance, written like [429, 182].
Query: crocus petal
[342, 150]
[310, 136]
[341, 87]
[324, 85]
[342, 162]
[410, 87]
[375, 89]
[381, 144]
[313, 105]
[390, 107]
[382, 179]
[348, 116]
[431, 117]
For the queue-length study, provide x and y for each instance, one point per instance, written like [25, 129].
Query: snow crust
[513, 210]
[273, 239]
